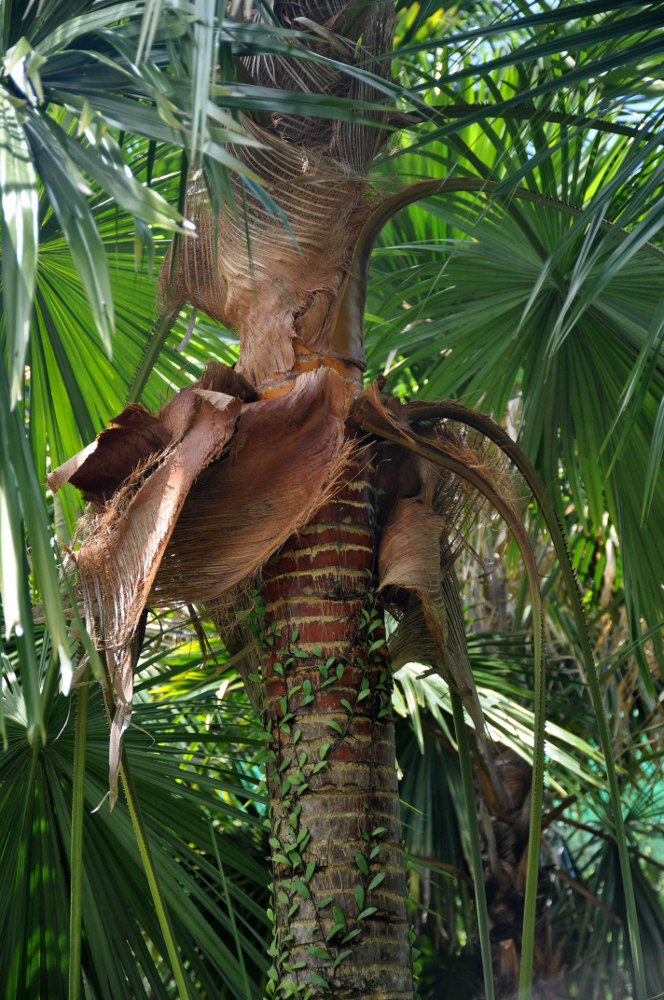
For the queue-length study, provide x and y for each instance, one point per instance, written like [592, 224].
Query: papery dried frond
[410, 559]
[283, 463]
[119, 559]
[193, 524]
[128, 534]
[190, 525]
[277, 278]
[121, 665]
[132, 440]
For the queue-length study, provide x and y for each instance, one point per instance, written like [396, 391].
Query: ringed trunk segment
[341, 925]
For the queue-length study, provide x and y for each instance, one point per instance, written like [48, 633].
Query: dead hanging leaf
[133, 438]
[410, 549]
[120, 556]
[422, 538]
[414, 556]
[281, 466]
[121, 665]
[139, 473]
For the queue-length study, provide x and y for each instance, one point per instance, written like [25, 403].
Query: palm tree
[181, 516]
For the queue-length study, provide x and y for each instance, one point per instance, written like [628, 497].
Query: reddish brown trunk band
[318, 587]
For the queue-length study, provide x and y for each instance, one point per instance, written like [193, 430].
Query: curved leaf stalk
[156, 341]
[151, 875]
[231, 914]
[475, 847]
[76, 856]
[146, 859]
[547, 505]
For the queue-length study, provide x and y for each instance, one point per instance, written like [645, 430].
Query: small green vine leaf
[375, 881]
[366, 913]
[359, 896]
[340, 957]
[351, 934]
[317, 952]
[361, 863]
[301, 888]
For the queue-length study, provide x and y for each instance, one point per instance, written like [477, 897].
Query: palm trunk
[341, 925]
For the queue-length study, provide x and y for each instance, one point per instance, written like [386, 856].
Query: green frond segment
[18, 238]
[463, 301]
[197, 823]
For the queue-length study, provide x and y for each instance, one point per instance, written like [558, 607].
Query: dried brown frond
[283, 463]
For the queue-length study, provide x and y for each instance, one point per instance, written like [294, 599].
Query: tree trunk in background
[338, 862]
[505, 855]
